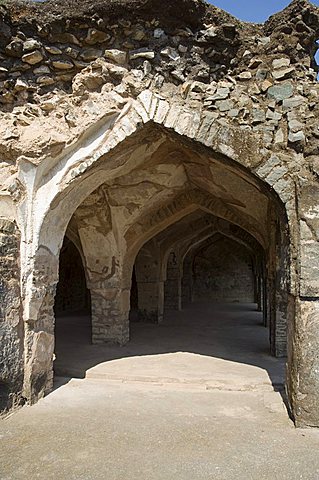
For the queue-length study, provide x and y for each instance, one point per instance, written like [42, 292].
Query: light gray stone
[258, 116]
[244, 76]
[170, 53]
[142, 53]
[280, 92]
[273, 115]
[224, 105]
[296, 137]
[159, 33]
[281, 63]
[221, 94]
[283, 73]
[117, 56]
[295, 126]
[31, 44]
[294, 102]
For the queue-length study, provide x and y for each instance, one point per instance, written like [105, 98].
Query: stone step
[199, 384]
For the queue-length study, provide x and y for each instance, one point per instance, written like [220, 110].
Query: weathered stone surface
[89, 54]
[11, 329]
[280, 92]
[224, 105]
[309, 276]
[221, 94]
[31, 44]
[62, 64]
[297, 136]
[244, 76]
[65, 37]
[170, 53]
[33, 57]
[15, 48]
[53, 50]
[283, 73]
[293, 102]
[45, 80]
[117, 56]
[279, 63]
[142, 53]
[96, 36]
[305, 400]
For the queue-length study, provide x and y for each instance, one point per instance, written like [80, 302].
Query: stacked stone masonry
[143, 132]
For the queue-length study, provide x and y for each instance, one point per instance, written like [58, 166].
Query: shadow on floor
[205, 343]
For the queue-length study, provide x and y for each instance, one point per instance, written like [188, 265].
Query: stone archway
[111, 159]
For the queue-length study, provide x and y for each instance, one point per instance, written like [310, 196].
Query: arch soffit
[210, 240]
[182, 205]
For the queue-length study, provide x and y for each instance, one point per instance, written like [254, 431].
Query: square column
[110, 315]
[150, 300]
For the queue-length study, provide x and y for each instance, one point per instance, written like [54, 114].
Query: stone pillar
[173, 284]
[303, 358]
[303, 364]
[149, 284]
[11, 324]
[110, 294]
[282, 292]
[38, 313]
[259, 292]
[187, 282]
[277, 290]
[265, 301]
[110, 315]
[150, 300]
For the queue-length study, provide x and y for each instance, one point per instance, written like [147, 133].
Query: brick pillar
[110, 315]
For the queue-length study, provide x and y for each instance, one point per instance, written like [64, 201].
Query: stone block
[309, 270]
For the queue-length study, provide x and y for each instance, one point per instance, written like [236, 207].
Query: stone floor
[213, 346]
[178, 419]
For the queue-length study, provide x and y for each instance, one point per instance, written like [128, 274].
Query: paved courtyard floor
[207, 404]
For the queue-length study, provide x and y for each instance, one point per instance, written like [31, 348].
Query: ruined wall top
[45, 45]
[58, 57]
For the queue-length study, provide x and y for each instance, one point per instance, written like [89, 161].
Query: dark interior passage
[223, 272]
[72, 301]
[72, 294]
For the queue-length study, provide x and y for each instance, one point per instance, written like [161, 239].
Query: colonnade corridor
[206, 345]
